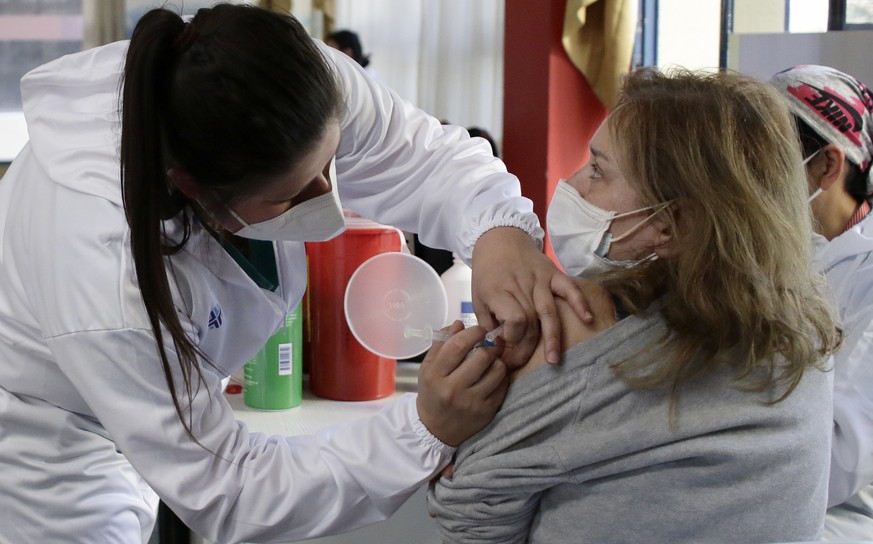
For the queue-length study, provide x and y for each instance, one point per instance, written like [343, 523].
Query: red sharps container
[340, 368]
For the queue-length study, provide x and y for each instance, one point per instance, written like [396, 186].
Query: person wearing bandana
[833, 114]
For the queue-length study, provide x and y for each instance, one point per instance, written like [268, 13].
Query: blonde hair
[739, 289]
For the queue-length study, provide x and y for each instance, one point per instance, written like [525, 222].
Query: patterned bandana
[836, 105]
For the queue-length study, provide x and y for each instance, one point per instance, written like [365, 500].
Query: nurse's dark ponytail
[147, 198]
[232, 98]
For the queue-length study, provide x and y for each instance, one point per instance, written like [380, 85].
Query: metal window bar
[646, 42]
[726, 28]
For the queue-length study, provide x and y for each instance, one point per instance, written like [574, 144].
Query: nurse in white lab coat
[833, 111]
[123, 305]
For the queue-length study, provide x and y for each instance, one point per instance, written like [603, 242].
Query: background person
[349, 43]
[833, 114]
[699, 411]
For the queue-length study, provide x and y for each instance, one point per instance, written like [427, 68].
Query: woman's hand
[460, 386]
[516, 285]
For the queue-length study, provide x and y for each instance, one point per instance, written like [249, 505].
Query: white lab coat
[847, 261]
[87, 426]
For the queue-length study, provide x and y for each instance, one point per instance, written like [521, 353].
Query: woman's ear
[185, 183]
[828, 169]
[668, 230]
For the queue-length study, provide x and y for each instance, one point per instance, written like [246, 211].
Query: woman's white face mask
[578, 231]
[315, 220]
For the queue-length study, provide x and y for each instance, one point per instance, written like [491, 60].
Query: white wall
[846, 51]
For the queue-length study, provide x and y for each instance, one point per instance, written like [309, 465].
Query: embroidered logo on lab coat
[215, 317]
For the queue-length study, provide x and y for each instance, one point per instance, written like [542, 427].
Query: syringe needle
[440, 336]
[427, 334]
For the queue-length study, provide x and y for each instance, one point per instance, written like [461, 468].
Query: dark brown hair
[233, 97]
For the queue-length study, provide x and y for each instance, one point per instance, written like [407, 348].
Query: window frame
[646, 42]
[837, 14]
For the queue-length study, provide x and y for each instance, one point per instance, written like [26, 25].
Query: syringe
[442, 336]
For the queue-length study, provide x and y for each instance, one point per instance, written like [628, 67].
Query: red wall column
[549, 111]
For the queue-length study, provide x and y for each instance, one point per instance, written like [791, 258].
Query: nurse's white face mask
[578, 232]
[316, 220]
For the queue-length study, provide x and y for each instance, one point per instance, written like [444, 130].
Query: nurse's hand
[515, 284]
[460, 386]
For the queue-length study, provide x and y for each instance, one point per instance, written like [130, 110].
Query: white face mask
[819, 190]
[578, 232]
[316, 220]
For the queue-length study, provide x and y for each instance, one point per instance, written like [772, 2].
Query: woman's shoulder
[574, 330]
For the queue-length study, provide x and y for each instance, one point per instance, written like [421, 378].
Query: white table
[409, 524]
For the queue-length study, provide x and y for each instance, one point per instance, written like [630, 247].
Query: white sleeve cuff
[421, 431]
[532, 228]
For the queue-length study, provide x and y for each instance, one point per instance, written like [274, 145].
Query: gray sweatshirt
[575, 455]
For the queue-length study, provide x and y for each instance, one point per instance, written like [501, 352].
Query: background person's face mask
[819, 190]
[316, 220]
[578, 232]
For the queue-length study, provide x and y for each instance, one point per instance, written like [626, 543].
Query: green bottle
[274, 376]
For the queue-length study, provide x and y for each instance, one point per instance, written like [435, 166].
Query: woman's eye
[595, 172]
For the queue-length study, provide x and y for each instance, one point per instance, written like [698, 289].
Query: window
[859, 14]
[690, 33]
[134, 9]
[33, 33]
[807, 15]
